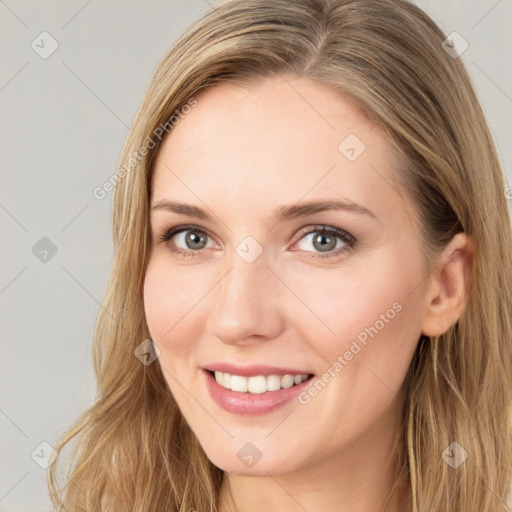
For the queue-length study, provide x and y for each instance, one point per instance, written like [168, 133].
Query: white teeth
[238, 383]
[258, 384]
[273, 382]
[287, 381]
[226, 381]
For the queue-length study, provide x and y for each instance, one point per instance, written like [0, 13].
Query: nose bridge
[245, 286]
[244, 303]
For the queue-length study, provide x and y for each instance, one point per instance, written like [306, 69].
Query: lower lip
[249, 404]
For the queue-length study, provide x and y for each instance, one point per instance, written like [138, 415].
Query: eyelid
[168, 233]
[349, 240]
[314, 228]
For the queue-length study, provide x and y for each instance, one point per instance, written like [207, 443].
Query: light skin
[239, 154]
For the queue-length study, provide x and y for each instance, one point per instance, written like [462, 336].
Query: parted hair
[132, 449]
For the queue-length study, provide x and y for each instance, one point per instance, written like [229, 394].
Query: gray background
[64, 120]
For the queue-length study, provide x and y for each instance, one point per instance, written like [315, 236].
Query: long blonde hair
[133, 451]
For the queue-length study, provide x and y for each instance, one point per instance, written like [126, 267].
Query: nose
[245, 304]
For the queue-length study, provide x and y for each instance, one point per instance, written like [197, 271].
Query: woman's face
[251, 286]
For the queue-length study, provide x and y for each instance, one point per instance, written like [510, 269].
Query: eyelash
[347, 239]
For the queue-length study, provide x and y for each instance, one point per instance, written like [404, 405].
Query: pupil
[193, 239]
[325, 246]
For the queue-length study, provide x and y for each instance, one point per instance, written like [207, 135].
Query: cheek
[375, 319]
[171, 304]
[368, 316]
[172, 298]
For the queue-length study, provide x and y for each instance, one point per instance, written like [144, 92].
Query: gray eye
[193, 239]
[322, 242]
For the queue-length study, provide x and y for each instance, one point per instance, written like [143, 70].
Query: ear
[448, 286]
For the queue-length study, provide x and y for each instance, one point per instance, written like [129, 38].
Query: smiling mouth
[258, 383]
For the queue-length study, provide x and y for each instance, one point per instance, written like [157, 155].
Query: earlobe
[448, 286]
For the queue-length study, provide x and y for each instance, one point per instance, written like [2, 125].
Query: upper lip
[254, 369]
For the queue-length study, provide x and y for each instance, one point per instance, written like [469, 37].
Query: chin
[246, 460]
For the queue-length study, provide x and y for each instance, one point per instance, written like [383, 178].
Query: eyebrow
[280, 214]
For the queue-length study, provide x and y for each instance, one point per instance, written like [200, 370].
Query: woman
[309, 307]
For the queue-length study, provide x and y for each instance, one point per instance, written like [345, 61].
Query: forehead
[280, 141]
